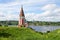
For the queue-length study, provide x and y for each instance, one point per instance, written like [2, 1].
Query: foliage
[11, 33]
[14, 33]
[38, 23]
[43, 23]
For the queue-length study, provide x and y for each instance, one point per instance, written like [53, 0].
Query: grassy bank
[13, 33]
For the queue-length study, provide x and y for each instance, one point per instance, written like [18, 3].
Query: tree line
[37, 23]
[42, 23]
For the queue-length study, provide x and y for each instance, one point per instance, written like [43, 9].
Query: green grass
[14, 33]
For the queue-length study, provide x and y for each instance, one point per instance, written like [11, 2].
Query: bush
[14, 33]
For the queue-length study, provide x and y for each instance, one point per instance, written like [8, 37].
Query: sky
[34, 10]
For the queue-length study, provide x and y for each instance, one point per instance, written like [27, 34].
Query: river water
[44, 28]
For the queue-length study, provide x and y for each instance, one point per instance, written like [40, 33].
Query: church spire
[21, 11]
[22, 21]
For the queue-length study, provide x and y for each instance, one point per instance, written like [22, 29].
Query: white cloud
[49, 7]
[39, 17]
[12, 7]
[51, 13]
[10, 11]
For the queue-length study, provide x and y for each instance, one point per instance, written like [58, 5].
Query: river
[44, 28]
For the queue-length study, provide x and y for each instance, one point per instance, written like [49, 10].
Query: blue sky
[38, 10]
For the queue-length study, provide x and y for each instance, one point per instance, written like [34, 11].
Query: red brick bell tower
[22, 21]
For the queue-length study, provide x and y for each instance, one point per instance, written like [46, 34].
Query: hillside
[11, 33]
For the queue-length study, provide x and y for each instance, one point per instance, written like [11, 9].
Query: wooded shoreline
[36, 23]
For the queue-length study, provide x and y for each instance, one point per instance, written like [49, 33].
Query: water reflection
[44, 28]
